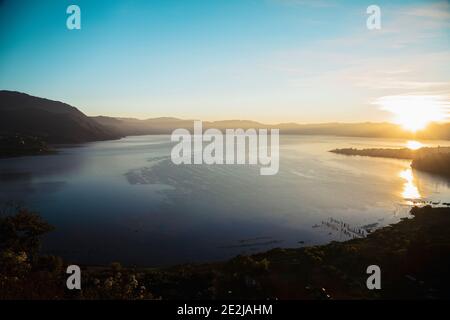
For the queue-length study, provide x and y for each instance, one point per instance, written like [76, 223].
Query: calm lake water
[125, 201]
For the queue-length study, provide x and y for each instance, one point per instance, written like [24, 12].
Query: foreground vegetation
[432, 160]
[414, 257]
[437, 163]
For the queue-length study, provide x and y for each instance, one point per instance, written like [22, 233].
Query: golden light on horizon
[414, 145]
[410, 190]
[415, 112]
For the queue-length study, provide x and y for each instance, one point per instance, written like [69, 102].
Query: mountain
[52, 121]
[58, 122]
[165, 125]
[129, 126]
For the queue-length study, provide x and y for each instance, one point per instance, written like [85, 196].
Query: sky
[266, 60]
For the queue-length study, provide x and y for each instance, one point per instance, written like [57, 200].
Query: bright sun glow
[414, 113]
[414, 145]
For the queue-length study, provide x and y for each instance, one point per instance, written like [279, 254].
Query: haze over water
[125, 201]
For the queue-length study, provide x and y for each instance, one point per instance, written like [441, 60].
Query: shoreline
[53, 147]
[434, 160]
[413, 254]
[334, 270]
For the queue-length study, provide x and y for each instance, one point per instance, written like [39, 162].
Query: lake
[125, 201]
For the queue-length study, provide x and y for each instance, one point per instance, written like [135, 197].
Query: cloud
[406, 55]
[440, 10]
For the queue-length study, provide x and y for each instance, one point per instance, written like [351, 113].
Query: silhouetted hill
[129, 126]
[53, 121]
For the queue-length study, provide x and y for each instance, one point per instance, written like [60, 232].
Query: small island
[433, 160]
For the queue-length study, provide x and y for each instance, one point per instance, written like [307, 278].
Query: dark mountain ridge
[52, 121]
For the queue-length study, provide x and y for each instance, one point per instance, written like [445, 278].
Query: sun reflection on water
[410, 191]
[414, 145]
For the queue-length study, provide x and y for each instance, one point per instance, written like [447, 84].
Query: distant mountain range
[127, 126]
[58, 122]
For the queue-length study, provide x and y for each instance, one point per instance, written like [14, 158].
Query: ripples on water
[125, 201]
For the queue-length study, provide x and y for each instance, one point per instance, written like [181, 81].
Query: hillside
[51, 121]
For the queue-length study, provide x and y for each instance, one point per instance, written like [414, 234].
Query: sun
[415, 112]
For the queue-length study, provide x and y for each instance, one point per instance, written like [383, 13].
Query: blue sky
[267, 60]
